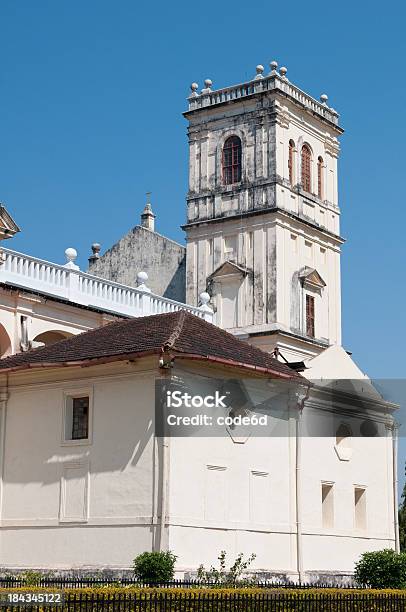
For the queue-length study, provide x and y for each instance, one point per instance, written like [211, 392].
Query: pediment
[310, 276]
[228, 268]
[8, 226]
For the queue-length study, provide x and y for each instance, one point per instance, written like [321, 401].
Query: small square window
[77, 418]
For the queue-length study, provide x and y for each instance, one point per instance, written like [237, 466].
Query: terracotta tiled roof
[181, 333]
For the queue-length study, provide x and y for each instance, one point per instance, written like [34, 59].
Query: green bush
[151, 567]
[383, 569]
[226, 577]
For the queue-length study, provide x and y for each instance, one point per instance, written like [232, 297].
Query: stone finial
[204, 298]
[142, 278]
[207, 86]
[323, 99]
[273, 65]
[282, 71]
[147, 216]
[194, 87]
[95, 252]
[260, 69]
[71, 255]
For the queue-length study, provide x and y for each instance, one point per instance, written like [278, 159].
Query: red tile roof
[181, 333]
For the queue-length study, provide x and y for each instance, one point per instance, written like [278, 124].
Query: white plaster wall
[119, 462]
[338, 547]
[220, 509]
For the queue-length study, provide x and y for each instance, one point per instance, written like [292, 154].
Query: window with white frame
[77, 418]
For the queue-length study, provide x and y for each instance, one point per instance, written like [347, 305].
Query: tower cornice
[262, 211]
[275, 84]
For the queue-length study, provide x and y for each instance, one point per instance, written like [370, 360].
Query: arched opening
[343, 446]
[320, 178]
[291, 162]
[231, 160]
[5, 342]
[51, 337]
[343, 436]
[306, 168]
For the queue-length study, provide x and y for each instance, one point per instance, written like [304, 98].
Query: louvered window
[320, 178]
[306, 172]
[291, 161]
[310, 315]
[231, 162]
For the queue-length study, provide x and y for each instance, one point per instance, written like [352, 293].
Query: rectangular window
[230, 247]
[77, 412]
[310, 319]
[360, 507]
[327, 505]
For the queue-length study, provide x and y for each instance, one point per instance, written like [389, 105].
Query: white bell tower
[262, 225]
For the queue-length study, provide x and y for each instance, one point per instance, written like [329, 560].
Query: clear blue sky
[91, 99]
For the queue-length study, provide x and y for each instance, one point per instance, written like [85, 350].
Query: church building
[86, 479]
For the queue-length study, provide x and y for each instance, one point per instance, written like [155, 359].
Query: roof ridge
[170, 343]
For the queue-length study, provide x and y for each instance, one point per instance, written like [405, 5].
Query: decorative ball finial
[142, 278]
[282, 71]
[273, 65]
[260, 69]
[323, 98]
[71, 254]
[208, 83]
[96, 249]
[194, 87]
[204, 298]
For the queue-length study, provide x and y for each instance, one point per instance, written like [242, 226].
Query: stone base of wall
[315, 578]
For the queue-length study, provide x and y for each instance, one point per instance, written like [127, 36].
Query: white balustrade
[271, 82]
[69, 283]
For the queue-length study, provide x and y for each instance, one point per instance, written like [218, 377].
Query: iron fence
[202, 601]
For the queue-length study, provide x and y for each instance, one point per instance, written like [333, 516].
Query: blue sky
[91, 100]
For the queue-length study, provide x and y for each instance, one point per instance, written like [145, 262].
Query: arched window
[320, 177]
[343, 435]
[291, 161]
[306, 172]
[231, 162]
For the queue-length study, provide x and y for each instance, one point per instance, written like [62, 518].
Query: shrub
[154, 566]
[383, 569]
[223, 576]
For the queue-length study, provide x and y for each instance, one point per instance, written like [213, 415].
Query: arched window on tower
[306, 171]
[320, 186]
[231, 161]
[291, 162]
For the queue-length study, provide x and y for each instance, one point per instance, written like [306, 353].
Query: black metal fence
[209, 601]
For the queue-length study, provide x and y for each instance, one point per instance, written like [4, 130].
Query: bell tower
[262, 225]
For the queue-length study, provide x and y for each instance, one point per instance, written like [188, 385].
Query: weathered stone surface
[144, 250]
